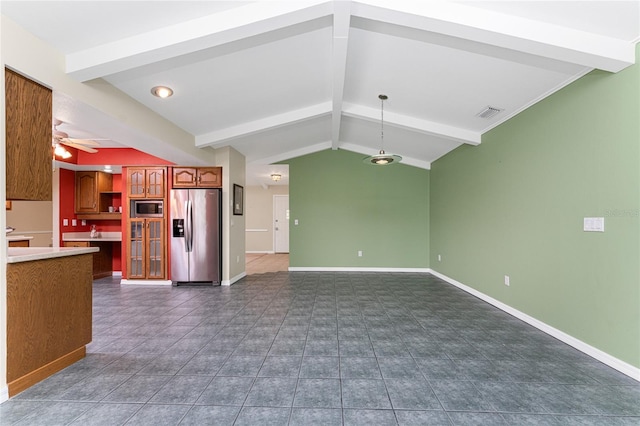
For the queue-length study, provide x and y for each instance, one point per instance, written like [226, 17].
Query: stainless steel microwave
[147, 208]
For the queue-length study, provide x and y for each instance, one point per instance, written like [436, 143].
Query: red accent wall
[67, 211]
[120, 157]
[67, 199]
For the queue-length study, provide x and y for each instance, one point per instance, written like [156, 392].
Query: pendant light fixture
[382, 158]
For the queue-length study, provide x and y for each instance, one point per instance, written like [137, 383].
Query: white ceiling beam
[192, 36]
[291, 154]
[221, 137]
[415, 124]
[341, 24]
[506, 31]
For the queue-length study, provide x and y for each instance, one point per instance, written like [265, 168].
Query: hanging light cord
[382, 98]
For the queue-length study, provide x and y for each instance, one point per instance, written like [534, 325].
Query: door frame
[273, 221]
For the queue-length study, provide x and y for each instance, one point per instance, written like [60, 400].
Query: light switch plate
[593, 224]
[65, 222]
[74, 222]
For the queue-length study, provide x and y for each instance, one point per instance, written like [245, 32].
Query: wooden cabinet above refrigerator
[197, 177]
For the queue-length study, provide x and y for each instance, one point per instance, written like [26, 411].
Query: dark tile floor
[321, 349]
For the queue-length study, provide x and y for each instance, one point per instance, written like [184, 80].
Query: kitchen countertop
[86, 236]
[18, 238]
[26, 254]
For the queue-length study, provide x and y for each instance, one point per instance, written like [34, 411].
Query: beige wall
[259, 220]
[33, 219]
[233, 171]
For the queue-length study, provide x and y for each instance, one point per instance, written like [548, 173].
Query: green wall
[343, 206]
[515, 204]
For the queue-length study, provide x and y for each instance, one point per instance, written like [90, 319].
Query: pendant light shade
[382, 158]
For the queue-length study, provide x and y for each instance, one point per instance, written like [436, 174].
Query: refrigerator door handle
[188, 225]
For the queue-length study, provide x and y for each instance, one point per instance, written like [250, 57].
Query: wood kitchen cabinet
[89, 186]
[48, 317]
[146, 182]
[102, 260]
[197, 177]
[146, 255]
[28, 139]
[19, 243]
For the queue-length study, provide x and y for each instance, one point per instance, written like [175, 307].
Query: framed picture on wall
[238, 202]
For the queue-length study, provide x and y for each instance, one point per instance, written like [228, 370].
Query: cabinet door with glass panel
[155, 249]
[145, 249]
[146, 182]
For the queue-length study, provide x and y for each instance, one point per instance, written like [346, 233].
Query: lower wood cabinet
[48, 317]
[146, 254]
[102, 260]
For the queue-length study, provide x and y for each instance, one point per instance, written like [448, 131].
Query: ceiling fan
[62, 138]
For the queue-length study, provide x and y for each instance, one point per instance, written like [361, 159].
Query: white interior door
[281, 223]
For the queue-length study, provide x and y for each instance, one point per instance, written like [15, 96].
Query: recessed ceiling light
[161, 91]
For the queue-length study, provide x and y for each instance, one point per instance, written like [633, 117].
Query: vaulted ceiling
[279, 79]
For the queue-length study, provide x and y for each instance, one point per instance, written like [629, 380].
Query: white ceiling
[279, 79]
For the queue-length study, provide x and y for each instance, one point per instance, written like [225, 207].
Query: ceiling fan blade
[79, 146]
[79, 141]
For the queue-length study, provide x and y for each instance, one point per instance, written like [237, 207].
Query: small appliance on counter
[196, 236]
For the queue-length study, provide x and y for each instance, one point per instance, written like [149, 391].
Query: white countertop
[26, 254]
[18, 238]
[86, 236]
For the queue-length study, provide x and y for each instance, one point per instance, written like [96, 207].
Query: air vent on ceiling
[489, 112]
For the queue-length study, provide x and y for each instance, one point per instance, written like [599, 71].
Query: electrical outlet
[359, 253]
[507, 281]
[83, 222]
[65, 222]
[74, 222]
[439, 258]
[295, 221]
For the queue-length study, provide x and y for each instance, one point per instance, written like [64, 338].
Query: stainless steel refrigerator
[196, 236]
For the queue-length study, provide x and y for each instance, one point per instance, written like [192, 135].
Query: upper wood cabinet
[89, 185]
[28, 138]
[193, 177]
[146, 182]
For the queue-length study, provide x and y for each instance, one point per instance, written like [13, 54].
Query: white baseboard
[354, 269]
[234, 279]
[4, 394]
[260, 252]
[145, 282]
[587, 349]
